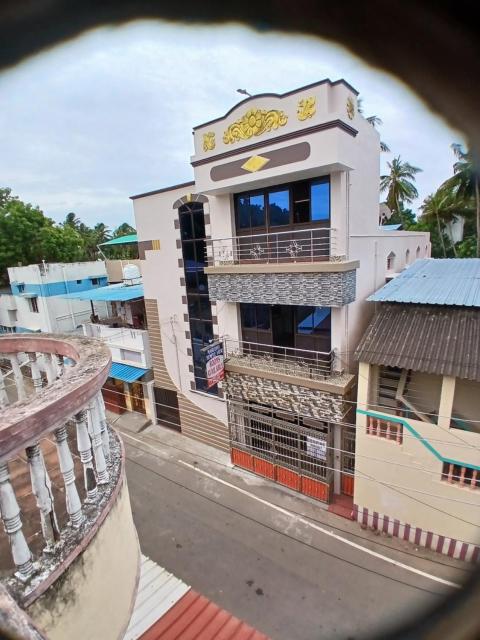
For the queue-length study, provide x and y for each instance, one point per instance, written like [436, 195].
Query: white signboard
[317, 448]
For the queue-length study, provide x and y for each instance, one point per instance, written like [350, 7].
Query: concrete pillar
[149, 400]
[337, 458]
[128, 399]
[447, 396]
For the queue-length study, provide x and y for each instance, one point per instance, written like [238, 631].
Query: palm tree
[375, 121]
[399, 184]
[441, 207]
[102, 232]
[71, 220]
[466, 182]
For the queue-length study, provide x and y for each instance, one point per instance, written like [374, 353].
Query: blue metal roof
[126, 372]
[451, 281]
[113, 293]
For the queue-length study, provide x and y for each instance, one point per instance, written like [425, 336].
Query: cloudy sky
[110, 114]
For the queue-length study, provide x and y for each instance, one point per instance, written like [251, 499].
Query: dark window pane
[305, 319]
[257, 210]
[321, 201]
[205, 308]
[202, 283]
[193, 307]
[301, 202]
[322, 319]
[186, 226]
[189, 256]
[191, 281]
[248, 315]
[200, 250]
[199, 225]
[263, 317]
[243, 212]
[279, 207]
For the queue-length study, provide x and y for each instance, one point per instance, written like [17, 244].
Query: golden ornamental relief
[350, 108]
[209, 141]
[306, 108]
[254, 123]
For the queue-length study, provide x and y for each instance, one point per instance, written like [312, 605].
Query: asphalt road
[244, 547]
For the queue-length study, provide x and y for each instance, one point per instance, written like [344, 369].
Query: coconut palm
[399, 184]
[465, 182]
[375, 121]
[71, 220]
[102, 232]
[441, 207]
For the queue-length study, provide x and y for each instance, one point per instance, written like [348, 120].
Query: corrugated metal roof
[454, 282]
[128, 239]
[158, 590]
[113, 293]
[194, 616]
[126, 372]
[441, 340]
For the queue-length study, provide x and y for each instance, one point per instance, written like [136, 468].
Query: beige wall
[404, 481]
[95, 596]
[466, 404]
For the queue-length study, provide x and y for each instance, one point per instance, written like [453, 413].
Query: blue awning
[112, 293]
[126, 372]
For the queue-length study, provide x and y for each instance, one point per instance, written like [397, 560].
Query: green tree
[123, 230]
[465, 182]
[440, 208]
[399, 184]
[375, 121]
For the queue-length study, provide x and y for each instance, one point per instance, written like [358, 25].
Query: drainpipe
[70, 306]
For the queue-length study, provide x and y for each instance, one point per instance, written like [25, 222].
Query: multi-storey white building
[271, 249]
[34, 302]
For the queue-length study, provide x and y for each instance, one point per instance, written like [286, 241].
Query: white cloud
[110, 114]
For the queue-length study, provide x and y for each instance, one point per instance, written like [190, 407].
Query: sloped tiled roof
[453, 282]
[441, 340]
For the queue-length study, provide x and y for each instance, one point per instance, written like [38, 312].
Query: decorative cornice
[291, 135]
[255, 122]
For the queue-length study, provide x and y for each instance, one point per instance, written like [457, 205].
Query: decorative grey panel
[312, 403]
[318, 289]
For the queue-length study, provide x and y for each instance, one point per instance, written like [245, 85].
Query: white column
[72, 499]
[85, 450]
[447, 396]
[104, 426]
[3, 393]
[12, 522]
[49, 367]
[36, 374]
[60, 366]
[18, 375]
[94, 429]
[42, 490]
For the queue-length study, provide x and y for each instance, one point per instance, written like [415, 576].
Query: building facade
[417, 469]
[270, 250]
[34, 302]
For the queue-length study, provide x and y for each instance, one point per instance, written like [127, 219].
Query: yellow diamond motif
[255, 163]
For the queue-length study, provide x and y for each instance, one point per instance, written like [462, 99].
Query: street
[277, 560]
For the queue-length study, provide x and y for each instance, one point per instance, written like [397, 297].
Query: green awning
[130, 239]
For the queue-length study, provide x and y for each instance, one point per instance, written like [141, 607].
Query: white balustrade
[95, 432]
[104, 427]
[36, 373]
[3, 392]
[18, 376]
[49, 368]
[12, 522]
[85, 451]
[42, 490]
[72, 499]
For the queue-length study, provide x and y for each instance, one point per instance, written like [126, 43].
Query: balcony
[130, 346]
[289, 267]
[63, 496]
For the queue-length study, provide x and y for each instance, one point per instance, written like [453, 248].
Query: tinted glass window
[243, 211]
[301, 202]
[248, 315]
[321, 319]
[257, 210]
[263, 316]
[186, 226]
[304, 319]
[199, 225]
[320, 196]
[279, 207]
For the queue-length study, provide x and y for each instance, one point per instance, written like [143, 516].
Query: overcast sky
[110, 114]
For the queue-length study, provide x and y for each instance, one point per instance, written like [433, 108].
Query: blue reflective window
[320, 201]
[251, 211]
[311, 320]
[279, 207]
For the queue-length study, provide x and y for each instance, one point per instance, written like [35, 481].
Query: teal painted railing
[414, 432]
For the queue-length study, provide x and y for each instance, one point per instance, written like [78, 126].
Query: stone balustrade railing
[50, 392]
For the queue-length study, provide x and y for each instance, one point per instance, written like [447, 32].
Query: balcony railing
[303, 363]
[60, 463]
[304, 245]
